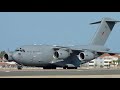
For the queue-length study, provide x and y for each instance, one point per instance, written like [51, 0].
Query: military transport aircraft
[67, 57]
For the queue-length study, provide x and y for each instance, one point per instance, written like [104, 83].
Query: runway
[60, 73]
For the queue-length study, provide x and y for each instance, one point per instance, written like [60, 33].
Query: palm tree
[118, 61]
[114, 62]
[2, 54]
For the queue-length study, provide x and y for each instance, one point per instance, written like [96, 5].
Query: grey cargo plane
[68, 57]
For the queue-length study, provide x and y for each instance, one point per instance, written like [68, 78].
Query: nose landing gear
[19, 67]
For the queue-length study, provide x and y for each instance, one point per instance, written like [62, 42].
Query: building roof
[3, 63]
[106, 54]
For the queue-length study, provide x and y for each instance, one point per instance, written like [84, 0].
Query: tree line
[2, 54]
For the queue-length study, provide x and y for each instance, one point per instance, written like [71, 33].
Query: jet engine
[61, 54]
[87, 55]
[8, 56]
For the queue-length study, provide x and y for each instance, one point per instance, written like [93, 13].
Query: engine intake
[8, 56]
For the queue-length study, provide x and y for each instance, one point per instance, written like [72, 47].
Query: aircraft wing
[77, 51]
[97, 51]
[109, 52]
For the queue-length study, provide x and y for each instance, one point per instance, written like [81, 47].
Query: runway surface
[60, 73]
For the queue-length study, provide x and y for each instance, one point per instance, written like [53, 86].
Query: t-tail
[103, 32]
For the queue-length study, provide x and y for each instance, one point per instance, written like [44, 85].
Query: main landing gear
[19, 67]
[69, 67]
[49, 67]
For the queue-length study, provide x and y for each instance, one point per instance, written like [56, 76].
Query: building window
[105, 61]
[91, 62]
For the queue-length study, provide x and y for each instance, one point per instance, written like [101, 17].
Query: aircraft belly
[72, 61]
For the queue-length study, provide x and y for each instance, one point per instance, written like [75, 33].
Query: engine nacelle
[8, 56]
[61, 54]
[87, 56]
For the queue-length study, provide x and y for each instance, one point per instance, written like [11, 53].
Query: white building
[104, 60]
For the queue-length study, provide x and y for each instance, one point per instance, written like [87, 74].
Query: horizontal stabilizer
[96, 22]
[106, 21]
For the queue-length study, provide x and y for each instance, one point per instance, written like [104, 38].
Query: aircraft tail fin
[103, 32]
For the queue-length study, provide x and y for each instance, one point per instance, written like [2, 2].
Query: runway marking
[79, 70]
[65, 76]
[7, 71]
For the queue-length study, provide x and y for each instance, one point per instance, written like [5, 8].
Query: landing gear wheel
[53, 68]
[47, 67]
[19, 67]
[71, 67]
[75, 68]
[65, 67]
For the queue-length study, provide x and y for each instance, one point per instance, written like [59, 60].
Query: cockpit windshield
[20, 49]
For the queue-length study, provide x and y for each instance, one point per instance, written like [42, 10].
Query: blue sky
[53, 28]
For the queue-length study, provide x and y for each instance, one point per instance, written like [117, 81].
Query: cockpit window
[21, 50]
[17, 50]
